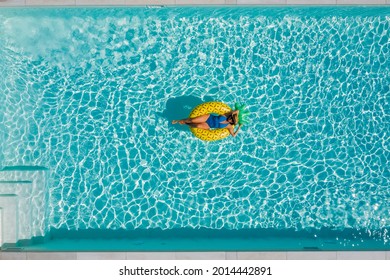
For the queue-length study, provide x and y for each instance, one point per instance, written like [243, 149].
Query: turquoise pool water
[90, 94]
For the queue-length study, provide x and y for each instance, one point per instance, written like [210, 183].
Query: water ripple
[82, 95]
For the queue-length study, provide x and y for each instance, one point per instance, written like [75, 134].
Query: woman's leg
[196, 120]
[199, 125]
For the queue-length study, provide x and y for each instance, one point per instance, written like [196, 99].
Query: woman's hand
[231, 130]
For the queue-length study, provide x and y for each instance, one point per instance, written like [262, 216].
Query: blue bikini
[214, 121]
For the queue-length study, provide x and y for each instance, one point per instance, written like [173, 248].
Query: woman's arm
[231, 130]
[235, 112]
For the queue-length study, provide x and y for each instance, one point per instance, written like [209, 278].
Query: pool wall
[201, 240]
[185, 239]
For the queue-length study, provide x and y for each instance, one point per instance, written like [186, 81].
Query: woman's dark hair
[231, 120]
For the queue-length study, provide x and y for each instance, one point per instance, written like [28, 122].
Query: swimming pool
[89, 94]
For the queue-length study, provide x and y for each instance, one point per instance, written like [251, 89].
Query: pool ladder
[23, 205]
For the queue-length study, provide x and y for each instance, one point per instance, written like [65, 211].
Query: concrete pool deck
[282, 255]
[186, 2]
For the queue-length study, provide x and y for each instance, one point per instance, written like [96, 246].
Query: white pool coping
[285, 255]
[5, 3]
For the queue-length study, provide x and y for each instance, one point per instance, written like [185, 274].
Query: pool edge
[129, 3]
[222, 255]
